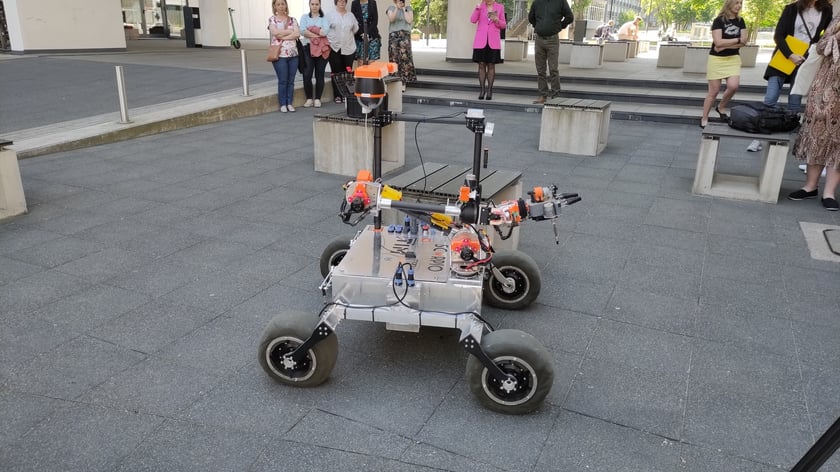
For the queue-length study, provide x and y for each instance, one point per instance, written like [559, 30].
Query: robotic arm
[364, 195]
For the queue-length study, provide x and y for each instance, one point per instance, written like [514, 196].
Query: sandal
[338, 100]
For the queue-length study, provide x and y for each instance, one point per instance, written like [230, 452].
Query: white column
[215, 23]
[459, 31]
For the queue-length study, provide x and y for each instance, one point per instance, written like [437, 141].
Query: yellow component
[391, 193]
[441, 221]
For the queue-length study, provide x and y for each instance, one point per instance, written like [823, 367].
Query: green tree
[436, 11]
[761, 14]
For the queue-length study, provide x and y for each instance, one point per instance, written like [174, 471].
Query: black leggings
[315, 65]
[340, 63]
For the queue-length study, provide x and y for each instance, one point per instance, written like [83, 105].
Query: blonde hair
[726, 9]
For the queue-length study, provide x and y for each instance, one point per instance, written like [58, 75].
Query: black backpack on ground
[760, 118]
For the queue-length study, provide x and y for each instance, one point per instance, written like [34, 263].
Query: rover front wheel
[521, 356]
[283, 335]
[522, 281]
[333, 254]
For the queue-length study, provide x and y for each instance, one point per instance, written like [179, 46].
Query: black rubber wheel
[283, 335]
[521, 355]
[237, 44]
[333, 254]
[520, 269]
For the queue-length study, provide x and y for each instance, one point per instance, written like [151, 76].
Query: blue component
[407, 226]
[398, 277]
[410, 277]
[391, 228]
[398, 228]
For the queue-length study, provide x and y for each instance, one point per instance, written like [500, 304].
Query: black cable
[417, 144]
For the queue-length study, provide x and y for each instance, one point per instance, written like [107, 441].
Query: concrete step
[667, 101]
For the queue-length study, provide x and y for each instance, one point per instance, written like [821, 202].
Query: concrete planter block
[671, 55]
[632, 49]
[516, 50]
[615, 51]
[564, 55]
[763, 188]
[695, 60]
[587, 56]
[749, 55]
[575, 126]
[344, 145]
[12, 199]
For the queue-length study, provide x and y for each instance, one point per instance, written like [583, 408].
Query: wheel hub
[281, 362]
[508, 385]
[509, 285]
[520, 385]
[287, 362]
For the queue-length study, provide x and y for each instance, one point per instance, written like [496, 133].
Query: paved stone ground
[687, 333]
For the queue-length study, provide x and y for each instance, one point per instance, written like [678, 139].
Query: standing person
[630, 31]
[367, 16]
[729, 34]
[819, 138]
[805, 20]
[314, 28]
[548, 17]
[401, 16]
[343, 26]
[489, 18]
[284, 31]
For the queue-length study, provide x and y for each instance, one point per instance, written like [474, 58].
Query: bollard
[121, 92]
[244, 61]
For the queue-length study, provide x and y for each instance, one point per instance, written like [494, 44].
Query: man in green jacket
[548, 17]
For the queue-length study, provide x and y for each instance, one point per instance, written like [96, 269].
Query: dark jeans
[312, 65]
[547, 53]
[340, 63]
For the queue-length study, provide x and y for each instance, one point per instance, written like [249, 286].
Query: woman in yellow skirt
[729, 34]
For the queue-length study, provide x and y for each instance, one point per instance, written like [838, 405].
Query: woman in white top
[314, 28]
[343, 27]
[284, 31]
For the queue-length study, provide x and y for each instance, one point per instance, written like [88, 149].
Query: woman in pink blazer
[489, 18]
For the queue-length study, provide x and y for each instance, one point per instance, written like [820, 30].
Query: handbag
[301, 56]
[807, 71]
[273, 53]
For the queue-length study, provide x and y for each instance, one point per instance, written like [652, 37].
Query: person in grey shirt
[549, 17]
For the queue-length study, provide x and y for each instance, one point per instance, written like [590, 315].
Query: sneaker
[830, 204]
[307, 103]
[291, 108]
[754, 146]
[283, 109]
[539, 101]
[317, 103]
[802, 194]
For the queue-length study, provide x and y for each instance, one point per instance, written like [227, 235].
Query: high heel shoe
[489, 96]
[481, 96]
[703, 125]
[723, 116]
